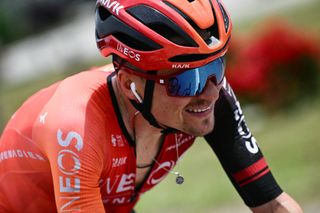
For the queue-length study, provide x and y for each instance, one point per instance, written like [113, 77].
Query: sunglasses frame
[164, 79]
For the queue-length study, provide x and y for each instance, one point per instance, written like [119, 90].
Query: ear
[124, 81]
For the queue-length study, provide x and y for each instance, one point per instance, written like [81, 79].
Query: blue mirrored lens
[192, 82]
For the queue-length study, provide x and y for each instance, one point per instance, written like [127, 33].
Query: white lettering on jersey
[70, 200]
[116, 162]
[116, 6]
[156, 177]
[110, 187]
[69, 155]
[17, 153]
[181, 139]
[228, 88]
[69, 182]
[119, 200]
[65, 185]
[126, 183]
[117, 140]
[250, 141]
[113, 140]
[42, 118]
[70, 136]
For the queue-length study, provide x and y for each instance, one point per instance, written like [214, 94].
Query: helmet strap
[145, 107]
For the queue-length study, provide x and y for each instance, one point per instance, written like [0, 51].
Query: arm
[282, 204]
[75, 168]
[71, 141]
[241, 158]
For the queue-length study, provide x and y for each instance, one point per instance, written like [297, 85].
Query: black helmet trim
[108, 24]
[161, 24]
[197, 57]
[205, 34]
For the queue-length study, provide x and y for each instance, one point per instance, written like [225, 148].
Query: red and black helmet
[163, 34]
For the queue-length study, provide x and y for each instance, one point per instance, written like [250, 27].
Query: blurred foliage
[19, 19]
[278, 67]
[304, 18]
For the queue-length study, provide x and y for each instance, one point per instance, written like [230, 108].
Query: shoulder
[77, 111]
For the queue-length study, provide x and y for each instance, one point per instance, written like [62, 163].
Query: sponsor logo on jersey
[69, 165]
[18, 153]
[42, 118]
[116, 162]
[118, 189]
[160, 173]
[181, 139]
[115, 6]
[117, 140]
[244, 132]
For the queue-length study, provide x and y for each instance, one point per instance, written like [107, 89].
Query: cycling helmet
[165, 34]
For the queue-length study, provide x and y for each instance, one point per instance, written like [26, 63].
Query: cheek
[164, 105]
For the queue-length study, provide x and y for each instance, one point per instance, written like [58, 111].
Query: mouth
[200, 110]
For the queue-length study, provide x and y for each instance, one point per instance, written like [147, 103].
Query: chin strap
[145, 108]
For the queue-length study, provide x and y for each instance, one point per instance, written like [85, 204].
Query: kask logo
[180, 66]
[114, 5]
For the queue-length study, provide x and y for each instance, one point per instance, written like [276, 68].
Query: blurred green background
[289, 136]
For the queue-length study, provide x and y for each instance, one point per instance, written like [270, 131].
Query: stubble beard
[206, 128]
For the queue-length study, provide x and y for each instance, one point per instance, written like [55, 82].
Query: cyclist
[94, 142]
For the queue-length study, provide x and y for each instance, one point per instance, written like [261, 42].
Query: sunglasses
[190, 82]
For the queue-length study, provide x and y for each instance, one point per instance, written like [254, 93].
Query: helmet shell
[163, 34]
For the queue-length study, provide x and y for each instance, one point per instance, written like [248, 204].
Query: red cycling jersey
[67, 149]
[64, 149]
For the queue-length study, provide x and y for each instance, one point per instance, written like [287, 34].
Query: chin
[205, 128]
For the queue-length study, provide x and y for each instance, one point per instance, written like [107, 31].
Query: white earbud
[134, 91]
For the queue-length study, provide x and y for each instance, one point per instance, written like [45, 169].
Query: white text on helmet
[128, 52]
[114, 5]
[180, 66]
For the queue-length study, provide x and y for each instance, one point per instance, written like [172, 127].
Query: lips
[198, 109]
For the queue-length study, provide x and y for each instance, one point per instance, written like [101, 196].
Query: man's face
[192, 115]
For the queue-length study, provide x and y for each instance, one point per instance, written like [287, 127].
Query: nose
[211, 91]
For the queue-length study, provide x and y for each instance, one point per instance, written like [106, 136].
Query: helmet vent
[206, 34]
[103, 13]
[108, 24]
[162, 25]
[225, 17]
[196, 57]
[132, 42]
